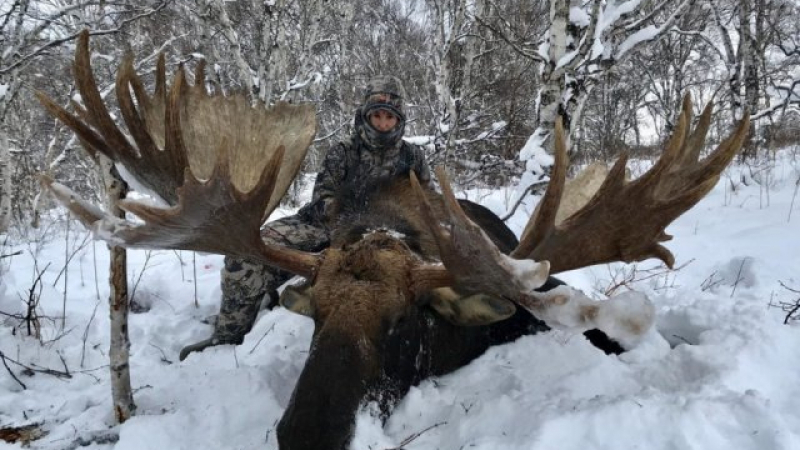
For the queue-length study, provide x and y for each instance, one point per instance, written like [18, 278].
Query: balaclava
[382, 92]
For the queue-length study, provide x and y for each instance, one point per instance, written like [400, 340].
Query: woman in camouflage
[374, 153]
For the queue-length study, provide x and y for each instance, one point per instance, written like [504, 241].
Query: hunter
[373, 154]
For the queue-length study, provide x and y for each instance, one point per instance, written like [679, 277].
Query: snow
[422, 141]
[626, 317]
[645, 34]
[533, 150]
[718, 371]
[579, 17]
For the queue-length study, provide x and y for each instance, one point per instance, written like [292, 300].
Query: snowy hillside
[721, 372]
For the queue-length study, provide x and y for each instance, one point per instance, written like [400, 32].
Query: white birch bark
[749, 71]
[553, 85]
[731, 61]
[346, 14]
[449, 27]
[279, 55]
[579, 55]
[264, 52]
[217, 12]
[119, 351]
[304, 72]
[6, 172]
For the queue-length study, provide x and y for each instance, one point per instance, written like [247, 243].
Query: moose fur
[348, 366]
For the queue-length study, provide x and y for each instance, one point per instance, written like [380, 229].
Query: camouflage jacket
[351, 168]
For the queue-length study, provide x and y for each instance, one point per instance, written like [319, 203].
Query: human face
[382, 120]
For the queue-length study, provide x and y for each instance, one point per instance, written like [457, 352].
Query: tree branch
[57, 42]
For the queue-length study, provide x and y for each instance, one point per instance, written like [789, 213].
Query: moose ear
[472, 310]
[297, 299]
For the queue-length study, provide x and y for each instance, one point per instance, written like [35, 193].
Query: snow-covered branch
[22, 59]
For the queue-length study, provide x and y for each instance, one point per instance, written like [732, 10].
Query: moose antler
[220, 163]
[624, 221]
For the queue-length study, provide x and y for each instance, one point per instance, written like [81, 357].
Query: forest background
[485, 79]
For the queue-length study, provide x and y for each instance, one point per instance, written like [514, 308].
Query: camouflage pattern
[384, 84]
[246, 284]
[350, 168]
[382, 93]
[354, 166]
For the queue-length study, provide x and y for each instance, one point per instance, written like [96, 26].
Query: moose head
[415, 283]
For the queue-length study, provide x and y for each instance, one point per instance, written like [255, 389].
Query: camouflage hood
[386, 93]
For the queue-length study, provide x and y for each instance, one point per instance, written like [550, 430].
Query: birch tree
[118, 302]
[215, 14]
[754, 40]
[449, 26]
[585, 40]
[5, 182]
[588, 39]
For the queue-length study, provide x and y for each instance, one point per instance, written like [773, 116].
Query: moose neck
[344, 372]
[321, 412]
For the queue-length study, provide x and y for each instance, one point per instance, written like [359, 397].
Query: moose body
[415, 283]
[374, 347]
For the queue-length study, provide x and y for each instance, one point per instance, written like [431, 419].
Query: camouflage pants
[245, 283]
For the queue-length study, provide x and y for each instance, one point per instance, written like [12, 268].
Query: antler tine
[694, 144]
[126, 77]
[135, 83]
[173, 135]
[91, 141]
[427, 210]
[704, 176]
[84, 211]
[624, 221]
[427, 277]
[117, 146]
[673, 151]
[222, 164]
[545, 220]
[161, 77]
[200, 76]
[471, 260]
[160, 169]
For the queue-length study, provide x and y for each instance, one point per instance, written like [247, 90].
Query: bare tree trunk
[557, 97]
[304, 72]
[731, 61]
[264, 52]
[470, 52]
[552, 84]
[6, 172]
[449, 27]
[119, 352]
[216, 11]
[279, 55]
[749, 72]
[346, 13]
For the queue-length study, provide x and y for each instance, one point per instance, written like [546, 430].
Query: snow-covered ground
[722, 371]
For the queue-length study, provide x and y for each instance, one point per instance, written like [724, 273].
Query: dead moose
[417, 284]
